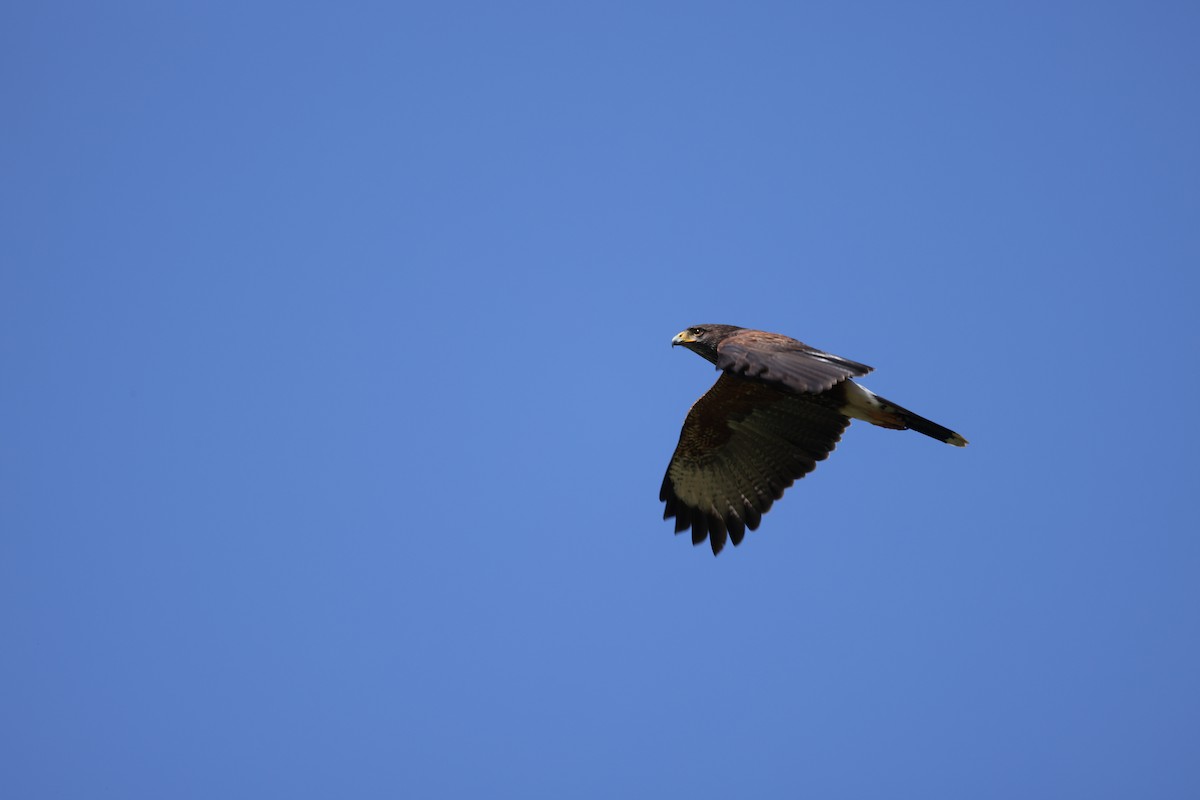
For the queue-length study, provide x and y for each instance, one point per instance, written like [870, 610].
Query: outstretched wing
[784, 361]
[742, 444]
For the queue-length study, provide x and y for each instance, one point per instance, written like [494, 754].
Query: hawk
[778, 407]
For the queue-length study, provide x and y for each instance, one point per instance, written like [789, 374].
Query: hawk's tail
[866, 405]
[921, 425]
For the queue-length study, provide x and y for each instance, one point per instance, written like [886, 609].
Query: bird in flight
[778, 407]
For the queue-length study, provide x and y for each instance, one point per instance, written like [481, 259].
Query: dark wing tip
[737, 529]
[717, 534]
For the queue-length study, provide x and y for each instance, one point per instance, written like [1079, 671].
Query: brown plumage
[778, 407]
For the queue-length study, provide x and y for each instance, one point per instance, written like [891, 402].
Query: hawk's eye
[697, 331]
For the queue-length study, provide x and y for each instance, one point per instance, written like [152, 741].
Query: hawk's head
[703, 339]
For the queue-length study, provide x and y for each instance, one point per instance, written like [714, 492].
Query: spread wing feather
[743, 443]
[784, 361]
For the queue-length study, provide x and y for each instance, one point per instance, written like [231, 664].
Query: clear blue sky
[337, 391]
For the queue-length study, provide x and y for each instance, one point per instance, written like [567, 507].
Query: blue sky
[338, 391]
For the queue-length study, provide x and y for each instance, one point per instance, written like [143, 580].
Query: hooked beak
[683, 337]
